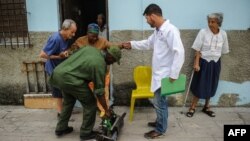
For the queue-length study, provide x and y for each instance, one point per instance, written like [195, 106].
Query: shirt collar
[212, 32]
[163, 26]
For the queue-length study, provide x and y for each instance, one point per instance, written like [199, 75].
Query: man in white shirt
[167, 61]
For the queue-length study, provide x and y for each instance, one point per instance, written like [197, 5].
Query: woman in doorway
[209, 45]
[101, 21]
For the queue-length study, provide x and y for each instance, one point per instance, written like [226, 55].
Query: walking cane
[187, 93]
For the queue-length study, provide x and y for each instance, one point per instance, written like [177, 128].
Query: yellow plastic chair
[142, 78]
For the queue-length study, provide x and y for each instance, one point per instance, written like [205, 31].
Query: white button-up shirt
[168, 53]
[211, 45]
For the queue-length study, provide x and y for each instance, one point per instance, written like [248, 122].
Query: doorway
[83, 12]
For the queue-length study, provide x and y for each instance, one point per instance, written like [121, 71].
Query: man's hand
[171, 80]
[102, 101]
[126, 45]
[119, 45]
[107, 113]
[64, 54]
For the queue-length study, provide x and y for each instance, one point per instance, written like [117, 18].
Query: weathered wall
[233, 89]
[13, 79]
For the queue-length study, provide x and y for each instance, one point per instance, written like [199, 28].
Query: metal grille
[13, 24]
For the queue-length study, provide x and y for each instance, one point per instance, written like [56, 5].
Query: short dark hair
[152, 9]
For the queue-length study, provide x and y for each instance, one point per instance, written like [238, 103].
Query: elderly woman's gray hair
[218, 16]
[67, 24]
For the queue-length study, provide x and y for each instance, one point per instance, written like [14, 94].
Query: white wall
[125, 14]
[43, 15]
[185, 14]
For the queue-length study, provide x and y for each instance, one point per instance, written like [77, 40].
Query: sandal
[190, 113]
[207, 111]
[152, 134]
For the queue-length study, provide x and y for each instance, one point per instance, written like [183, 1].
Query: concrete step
[39, 101]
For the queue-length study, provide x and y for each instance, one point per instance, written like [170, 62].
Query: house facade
[22, 70]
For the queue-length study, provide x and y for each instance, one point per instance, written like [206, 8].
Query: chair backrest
[142, 77]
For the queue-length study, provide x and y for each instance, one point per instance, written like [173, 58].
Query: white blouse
[211, 45]
[103, 33]
[168, 54]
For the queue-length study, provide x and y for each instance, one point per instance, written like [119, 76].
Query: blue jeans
[161, 108]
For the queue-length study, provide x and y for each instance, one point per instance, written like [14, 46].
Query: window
[13, 24]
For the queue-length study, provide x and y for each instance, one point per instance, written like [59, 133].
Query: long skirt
[205, 81]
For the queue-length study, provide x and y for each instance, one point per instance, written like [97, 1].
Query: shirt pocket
[161, 41]
[162, 38]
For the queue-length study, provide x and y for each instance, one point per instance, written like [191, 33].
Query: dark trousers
[85, 96]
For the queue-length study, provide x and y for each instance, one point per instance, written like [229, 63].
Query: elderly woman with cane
[209, 45]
